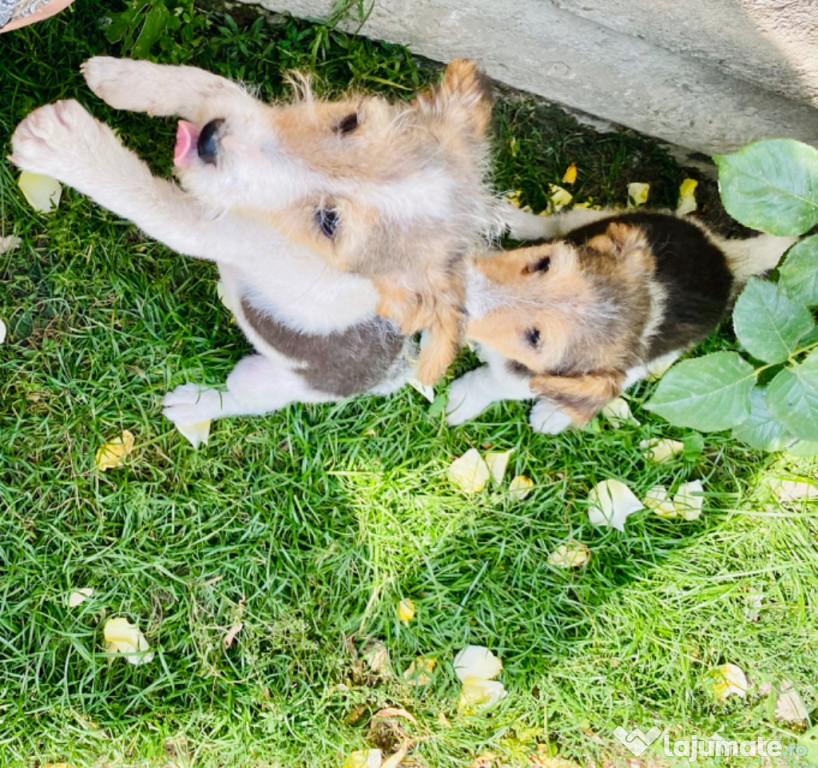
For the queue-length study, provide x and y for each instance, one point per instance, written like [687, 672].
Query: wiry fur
[573, 321]
[403, 182]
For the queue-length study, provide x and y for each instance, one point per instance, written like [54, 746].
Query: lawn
[307, 527]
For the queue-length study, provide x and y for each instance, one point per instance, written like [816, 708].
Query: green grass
[310, 525]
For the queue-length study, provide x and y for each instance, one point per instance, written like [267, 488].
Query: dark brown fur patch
[342, 363]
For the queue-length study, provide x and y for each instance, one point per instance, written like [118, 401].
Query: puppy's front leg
[471, 394]
[162, 90]
[63, 141]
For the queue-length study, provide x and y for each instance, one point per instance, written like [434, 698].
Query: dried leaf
[570, 175]
[660, 450]
[789, 707]
[476, 661]
[658, 500]
[610, 503]
[571, 555]
[195, 434]
[497, 461]
[520, 487]
[406, 610]
[394, 712]
[113, 453]
[729, 680]
[687, 197]
[79, 596]
[393, 761]
[469, 473]
[637, 194]
[42, 192]
[689, 500]
[123, 637]
[231, 634]
[618, 412]
[419, 671]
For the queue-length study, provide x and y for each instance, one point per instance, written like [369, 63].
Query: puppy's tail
[754, 256]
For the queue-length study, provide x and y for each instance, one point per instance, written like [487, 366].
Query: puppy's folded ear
[581, 396]
[624, 242]
[462, 100]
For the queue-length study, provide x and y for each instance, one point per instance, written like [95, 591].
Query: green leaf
[761, 430]
[792, 398]
[693, 445]
[709, 393]
[156, 21]
[768, 323]
[803, 449]
[771, 185]
[799, 274]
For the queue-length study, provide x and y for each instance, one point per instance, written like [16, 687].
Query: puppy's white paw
[547, 419]
[192, 403]
[124, 83]
[60, 140]
[463, 405]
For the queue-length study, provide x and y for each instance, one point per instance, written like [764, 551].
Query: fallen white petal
[2, 331]
[477, 691]
[753, 604]
[123, 637]
[789, 706]
[9, 243]
[520, 486]
[469, 473]
[571, 555]
[364, 758]
[618, 412]
[42, 192]
[793, 490]
[658, 500]
[730, 680]
[476, 661]
[689, 500]
[195, 434]
[79, 596]
[497, 462]
[610, 503]
[661, 449]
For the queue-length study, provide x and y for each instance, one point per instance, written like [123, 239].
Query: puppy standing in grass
[322, 217]
[575, 321]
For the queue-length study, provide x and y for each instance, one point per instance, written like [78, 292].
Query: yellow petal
[364, 758]
[520, 487]
[79, 596]
[469, 473]
[406, 610]
[515, 198]
[476, 661]
[660, 450]
[42, 192]
[479, 692]
[571, 555]
[2, 331]
[195, 434]
[658, 500]
[570, 175]
[497, 461]
[558, 197]
[689, 500]
[729, 680]
[618, 412]
[123, 637]
[419, 671]
[687, 197]
[113, 453]
[637, 194]
[610, 503]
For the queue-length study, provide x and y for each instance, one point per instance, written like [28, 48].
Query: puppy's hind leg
[162, 90]
[522, 225]
[255, 386]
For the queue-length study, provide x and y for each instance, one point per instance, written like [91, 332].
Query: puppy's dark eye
[541, 265]
[348, 124]
[207, 144]
[327, 220]
[532, 336]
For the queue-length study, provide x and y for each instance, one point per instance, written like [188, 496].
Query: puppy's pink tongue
[186, 136]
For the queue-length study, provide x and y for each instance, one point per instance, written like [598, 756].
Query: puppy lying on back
[574, 321]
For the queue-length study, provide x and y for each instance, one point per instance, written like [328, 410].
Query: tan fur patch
[582, 396]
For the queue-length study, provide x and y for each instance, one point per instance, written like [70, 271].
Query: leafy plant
[770, 403]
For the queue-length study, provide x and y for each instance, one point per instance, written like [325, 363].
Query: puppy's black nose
[207, 145]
